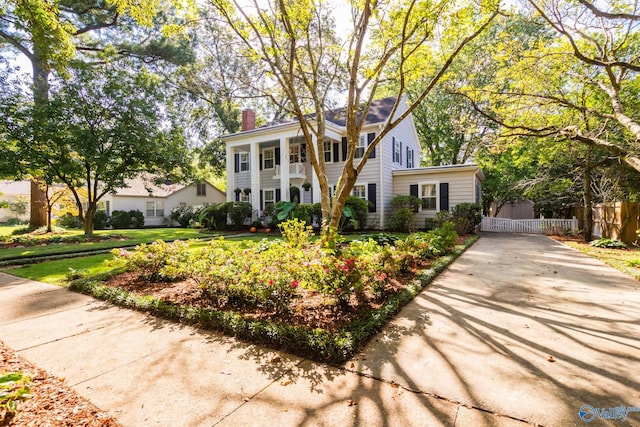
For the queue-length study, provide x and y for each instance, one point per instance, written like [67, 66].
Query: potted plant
[247, 191]
[306, 186]
[237, 191]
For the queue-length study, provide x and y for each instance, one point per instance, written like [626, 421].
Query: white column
[284, 169]
[254, 155]
[315, 184]
[231, 176]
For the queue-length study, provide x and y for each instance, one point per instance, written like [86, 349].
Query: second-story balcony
[296, 170]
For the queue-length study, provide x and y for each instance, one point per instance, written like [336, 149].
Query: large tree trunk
[588, 211]
[38, 205]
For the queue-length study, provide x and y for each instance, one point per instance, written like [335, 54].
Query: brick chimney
[248, 120]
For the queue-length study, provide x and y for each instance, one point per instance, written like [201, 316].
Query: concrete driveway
[520, 326]
[475, 348]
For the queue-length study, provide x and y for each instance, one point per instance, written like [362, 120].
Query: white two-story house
[268, 164]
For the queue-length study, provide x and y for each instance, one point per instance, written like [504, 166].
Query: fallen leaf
[285, 383]
[353, 365]
[276, 359]
[246, 399]
[551, 359]
[352, 403]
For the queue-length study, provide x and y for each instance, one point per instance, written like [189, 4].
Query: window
[268, 156]
[155, 208]
[244, 161]
[360, 191]
[269, 198]
[396, 151]
[245, 197]
[201, 189]
[328, 151]
[409, 158]
[360, 147]
[294, 153]
[428, 196]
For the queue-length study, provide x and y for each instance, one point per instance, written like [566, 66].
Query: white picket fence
[534, 226]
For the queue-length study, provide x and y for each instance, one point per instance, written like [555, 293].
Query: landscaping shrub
[69, 221]
[100, 220]
[12, 222]
[159, 260]
[608, 243]
[124, 219]
[466, 217]
[185, 215]
[402, 212]
[381, 238]
[214, 217]
[303, 212]
[239, 212]
[360, 209]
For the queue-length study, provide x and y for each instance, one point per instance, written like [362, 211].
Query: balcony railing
[296, 170]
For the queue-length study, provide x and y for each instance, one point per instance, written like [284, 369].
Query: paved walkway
[473, 349]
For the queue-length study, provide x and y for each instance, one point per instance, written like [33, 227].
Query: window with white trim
[360, 191]
[429, 196]
[409, 158]
[360, 147]
[268, 158]
[328, 151]
[294, 153]
[155, 208]
[244, 161]
[269, 197]
[245, 197]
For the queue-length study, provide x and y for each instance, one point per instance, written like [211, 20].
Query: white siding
[461, 187]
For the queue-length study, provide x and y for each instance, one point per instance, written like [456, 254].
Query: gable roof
[144, 186]
[379, 112]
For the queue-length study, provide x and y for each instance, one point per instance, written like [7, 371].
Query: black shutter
[413, 191]
[371, 195]
[370, 138]
[336, 152]
[261, 200]
[237, 196]
[303, 153]
[400, 152]
[278, 195]
[277, 155]
[344, 148]
[444, 196]
[393, 150]
[236, 162]
[260, 161]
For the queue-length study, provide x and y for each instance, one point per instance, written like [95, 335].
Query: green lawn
[616, 258]
[134, 237]
[54, 271]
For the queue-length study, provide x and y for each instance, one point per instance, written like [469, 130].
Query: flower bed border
[317, 344]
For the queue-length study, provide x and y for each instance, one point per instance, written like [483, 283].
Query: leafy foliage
[466, 217]
[402, 212]
[608, 243]
[127, 219]
[158, 260]
[13, 387]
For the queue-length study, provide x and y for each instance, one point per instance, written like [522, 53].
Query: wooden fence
[617, 220]
[533, 226]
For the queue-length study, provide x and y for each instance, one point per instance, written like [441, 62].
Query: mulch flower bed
[52, 402]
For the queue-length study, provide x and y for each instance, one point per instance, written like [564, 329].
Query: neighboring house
[156, 201]
[18, 194]
[272, 159]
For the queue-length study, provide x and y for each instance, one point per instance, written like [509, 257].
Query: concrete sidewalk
[471, 350]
